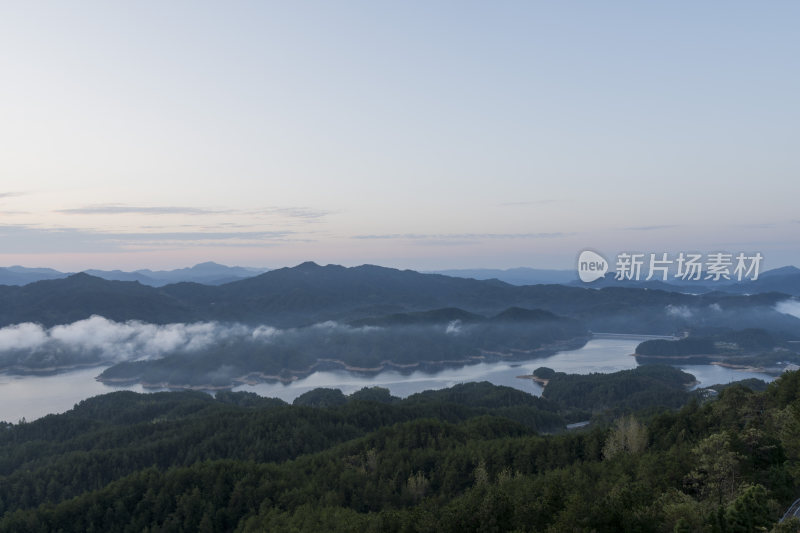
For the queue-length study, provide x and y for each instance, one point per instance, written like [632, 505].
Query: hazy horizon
[255, 268]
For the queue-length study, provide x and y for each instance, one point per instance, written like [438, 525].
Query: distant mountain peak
[308, 265]
[84, 278]
[206, 267]
[782, 271]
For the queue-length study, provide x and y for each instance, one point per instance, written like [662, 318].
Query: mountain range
[208, 273]
[309, 293]
[784, 279]
[288, 322]
[514, 276]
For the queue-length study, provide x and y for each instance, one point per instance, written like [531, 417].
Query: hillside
[286, 323]
[469, 458]
[401, 342]
[310, 293]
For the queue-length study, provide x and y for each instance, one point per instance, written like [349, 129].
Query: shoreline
[707, 359]
[17, 370]
[732, 366]
[541, 381]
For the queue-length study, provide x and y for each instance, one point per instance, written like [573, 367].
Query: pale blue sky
[410, 134]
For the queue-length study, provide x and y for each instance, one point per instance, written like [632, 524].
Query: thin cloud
[447, 242]
[120, 209]
[304, 213]
[11, 194]
[461, 236]
[197, 235]
[36, 239]
[650, 228]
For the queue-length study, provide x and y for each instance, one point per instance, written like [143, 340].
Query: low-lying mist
[97, 340]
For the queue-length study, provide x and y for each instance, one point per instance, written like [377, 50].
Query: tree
[628, 436]
[749, 512]
[717, 468]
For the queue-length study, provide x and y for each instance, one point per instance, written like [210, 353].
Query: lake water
[34, 396]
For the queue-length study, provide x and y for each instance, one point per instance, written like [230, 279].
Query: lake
[32, 397]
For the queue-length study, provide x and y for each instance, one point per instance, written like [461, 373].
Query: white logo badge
[591, 266]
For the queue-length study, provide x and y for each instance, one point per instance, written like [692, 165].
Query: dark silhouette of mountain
[310, 293]
[119, 275]
[17, 275]
[517, 314]
[609, 280]
[335, 292]
[451, 314]
[784, 279]
[79, 296]
[414, 311]
[435, 316]
[514, 276]
[208, 273]
[782, 271]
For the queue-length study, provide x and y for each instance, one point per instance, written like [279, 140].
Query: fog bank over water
[99, 341]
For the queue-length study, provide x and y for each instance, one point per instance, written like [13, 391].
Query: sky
[418, 134]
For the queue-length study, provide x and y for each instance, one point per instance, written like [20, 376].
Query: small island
[751, 349]
[541, 375]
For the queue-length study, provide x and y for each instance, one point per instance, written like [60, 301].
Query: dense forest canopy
[475, 457]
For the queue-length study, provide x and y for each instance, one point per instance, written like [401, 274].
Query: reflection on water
[598, 355]
[32, 397]
[713, 374]
[35, 396]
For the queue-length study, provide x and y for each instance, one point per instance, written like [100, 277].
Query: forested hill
[403, 342]
[310, 293]
[470, 458]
